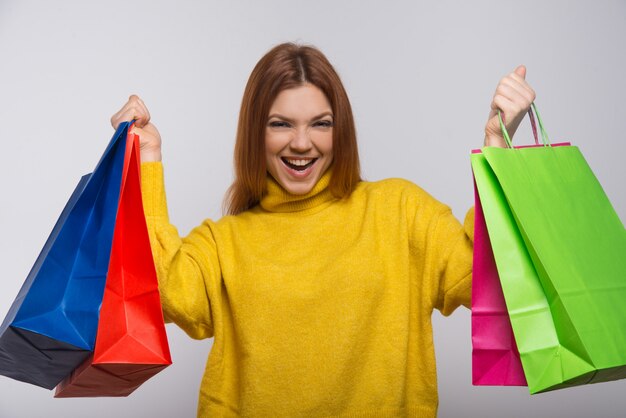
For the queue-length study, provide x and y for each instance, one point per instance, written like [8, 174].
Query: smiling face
[299, 138]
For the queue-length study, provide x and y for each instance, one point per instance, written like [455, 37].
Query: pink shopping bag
[495, 359]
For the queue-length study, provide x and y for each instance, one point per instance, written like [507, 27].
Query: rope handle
[544, 135]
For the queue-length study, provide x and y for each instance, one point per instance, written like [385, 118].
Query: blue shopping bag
[51, 327]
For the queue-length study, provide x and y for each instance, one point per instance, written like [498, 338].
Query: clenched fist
[149, 137]
[513, 97]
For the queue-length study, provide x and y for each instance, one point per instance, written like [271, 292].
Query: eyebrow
[285, 118]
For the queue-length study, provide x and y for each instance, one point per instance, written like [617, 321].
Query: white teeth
[298, 162]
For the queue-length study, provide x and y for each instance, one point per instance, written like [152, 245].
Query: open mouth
[298, 164]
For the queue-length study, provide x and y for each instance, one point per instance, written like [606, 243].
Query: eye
[325, 123]
[278, 124]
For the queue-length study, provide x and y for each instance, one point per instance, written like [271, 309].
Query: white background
[420, 76]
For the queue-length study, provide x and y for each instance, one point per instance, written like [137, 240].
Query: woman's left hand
[513, 97]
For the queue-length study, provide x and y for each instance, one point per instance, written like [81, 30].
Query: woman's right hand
[149, 137]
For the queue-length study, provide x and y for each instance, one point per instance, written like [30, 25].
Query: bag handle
[544, 135]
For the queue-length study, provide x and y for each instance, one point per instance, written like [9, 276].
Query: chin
[299, 188]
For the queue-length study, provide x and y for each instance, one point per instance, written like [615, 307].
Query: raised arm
[187, 268]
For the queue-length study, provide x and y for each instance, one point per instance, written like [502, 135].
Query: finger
[521, 71]
[520, 83]
[119, 117]
[121, 114]
[133, 109]
[515, 79]
[124, 115]
[506, 106]
[516, 92]
[143, 115]
[511, 94]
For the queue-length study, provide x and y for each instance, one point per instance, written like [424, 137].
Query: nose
[301, 142]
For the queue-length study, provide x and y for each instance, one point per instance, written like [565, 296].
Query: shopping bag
[131, 343]
[558, 246]
[51, 326]
[495, 358]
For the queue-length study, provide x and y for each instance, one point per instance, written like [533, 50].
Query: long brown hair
[287, 66]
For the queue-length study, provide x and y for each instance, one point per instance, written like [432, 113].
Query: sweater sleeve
[452, 247]
[187, 268]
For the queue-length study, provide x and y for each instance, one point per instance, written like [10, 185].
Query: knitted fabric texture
[319, 307]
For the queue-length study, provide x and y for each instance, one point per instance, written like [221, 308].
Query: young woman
[318, 287]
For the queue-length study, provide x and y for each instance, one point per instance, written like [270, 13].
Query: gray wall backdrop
[420, 76]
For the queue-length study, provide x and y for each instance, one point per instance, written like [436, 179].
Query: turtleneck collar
[280, 200]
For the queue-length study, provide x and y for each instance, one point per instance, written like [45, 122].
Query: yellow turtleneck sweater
[319, 307]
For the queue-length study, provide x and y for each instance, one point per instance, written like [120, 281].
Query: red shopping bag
[131, 343]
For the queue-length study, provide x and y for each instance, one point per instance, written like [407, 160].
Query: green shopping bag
[560, 251]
